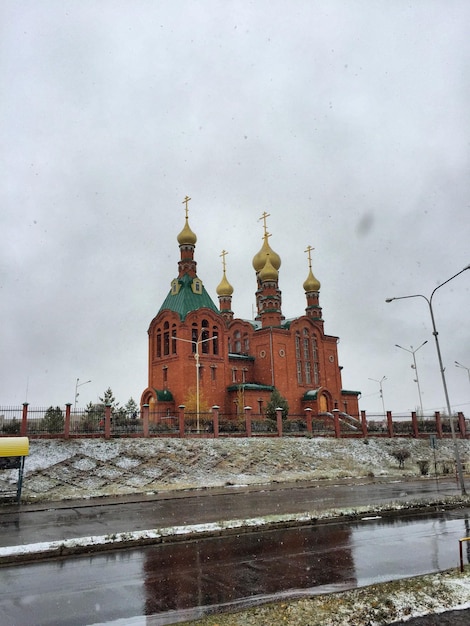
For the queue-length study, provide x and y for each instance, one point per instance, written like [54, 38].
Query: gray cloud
[347, 122]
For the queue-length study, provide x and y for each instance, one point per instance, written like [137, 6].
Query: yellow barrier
[13, 451]
[14, 446]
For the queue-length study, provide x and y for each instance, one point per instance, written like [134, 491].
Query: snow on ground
[59, 469]
[84, 468]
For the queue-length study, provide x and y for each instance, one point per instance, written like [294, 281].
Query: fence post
[107, 421]
[414, 423]
[145, 420]
[247, 410]
[337, 424]
[181, 419]
[308, 419]
[364, 424]
[279, 421]
[67, 420]
[24, 420]
[390, 424]
[437, 415]
[215, 420]
[463, 430]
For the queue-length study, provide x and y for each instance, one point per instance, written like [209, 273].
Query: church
[200, 355]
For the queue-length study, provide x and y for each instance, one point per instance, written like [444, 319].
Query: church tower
[201, 355]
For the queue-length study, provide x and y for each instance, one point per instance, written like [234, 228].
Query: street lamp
[464, 367]
[196, 343]
[441, 366]
[415, 367]
[381, 391]
[77, 385]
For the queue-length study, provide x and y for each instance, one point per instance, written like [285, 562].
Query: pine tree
[131, 408]
[53, 420]
[276, 401]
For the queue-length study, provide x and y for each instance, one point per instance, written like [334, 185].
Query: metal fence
[70, 422]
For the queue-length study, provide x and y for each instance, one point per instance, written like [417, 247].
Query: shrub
[53, 420]
[401, 454]
[423, 465]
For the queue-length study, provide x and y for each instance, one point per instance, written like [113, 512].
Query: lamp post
[77, 385]
[464, 367]
[415, 367]
[196, 343]
[381, 391]
[442, 369]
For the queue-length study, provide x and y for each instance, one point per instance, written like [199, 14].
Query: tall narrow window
[159, 343]
[166, 338]
[215, 340]
[299, 372]
[194, 338]
[173, 339]
[238, 343]
[316, 364]
[205, 337]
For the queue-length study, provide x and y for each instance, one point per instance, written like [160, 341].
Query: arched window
[246, 343]
[237, 341]
[215, 340]
[159, 343]
[205, 337]
[166, 338]
[298, 358]
[194, 337]
[306, 355]
[316, 362]
[173, 339]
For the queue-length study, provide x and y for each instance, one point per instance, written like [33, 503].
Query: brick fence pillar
[67, 420]
[414, 423]
[364, 424]
[247, 410]
[279, 421]
[24, 420]
[215, 420]
[145, 420]
[337, 424]
[308, 419]
[462, 428]
[390, 424]
[181, 419]
[437, 417]
[107, 421]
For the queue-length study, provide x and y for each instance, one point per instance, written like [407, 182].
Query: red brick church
[201, 355]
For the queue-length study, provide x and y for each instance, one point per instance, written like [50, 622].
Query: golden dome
[186, 236]
[259, 260]
[268, 272]
[311, 284]
[224, 288]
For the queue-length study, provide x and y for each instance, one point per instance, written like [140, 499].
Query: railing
[102, 421]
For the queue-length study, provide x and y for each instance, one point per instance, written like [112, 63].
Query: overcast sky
[347, 121]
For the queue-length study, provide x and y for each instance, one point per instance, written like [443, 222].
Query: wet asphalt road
[171, 583]
[24, 524]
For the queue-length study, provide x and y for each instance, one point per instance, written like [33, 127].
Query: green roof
[250, 386]
[185, 299]
[163, 395]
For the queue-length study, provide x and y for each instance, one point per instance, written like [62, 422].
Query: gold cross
[263, 217]
[223, 254]
[309, 252]
[185, 201]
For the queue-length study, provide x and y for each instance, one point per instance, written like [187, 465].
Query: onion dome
[259, 260]
[311, 283]
[224, 288]
[268, 272]
[186, 236]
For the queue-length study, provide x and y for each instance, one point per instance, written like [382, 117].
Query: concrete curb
[117, 541]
